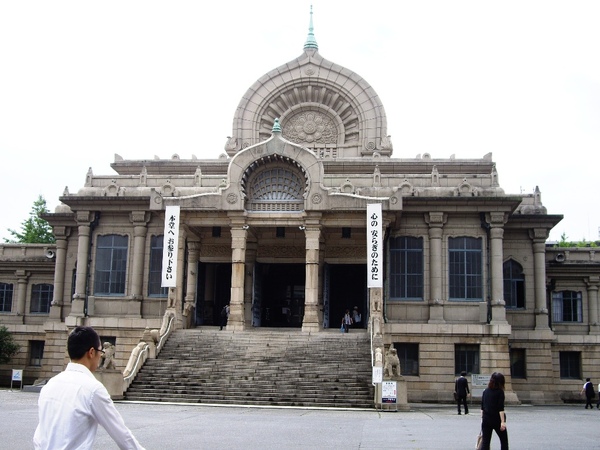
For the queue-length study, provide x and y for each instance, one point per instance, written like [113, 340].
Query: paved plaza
[425, 426]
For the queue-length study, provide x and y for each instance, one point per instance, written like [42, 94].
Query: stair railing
[150, 345]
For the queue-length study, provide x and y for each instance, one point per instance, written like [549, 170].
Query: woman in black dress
[493, 416]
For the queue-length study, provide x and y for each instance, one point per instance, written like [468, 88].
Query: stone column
[189, 309]
[84, 218]
[139, 220]
[310, 322]
[436, 221]
[22, 277]
[496, 221]
[539, 236]
[61, 234]
[593, 283]
[239, 235]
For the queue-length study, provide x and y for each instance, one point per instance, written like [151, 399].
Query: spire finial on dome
[311, 42]
[276, 126]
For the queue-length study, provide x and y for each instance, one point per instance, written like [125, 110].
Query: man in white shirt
[73, 403]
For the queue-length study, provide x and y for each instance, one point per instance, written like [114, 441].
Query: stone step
[270, 367]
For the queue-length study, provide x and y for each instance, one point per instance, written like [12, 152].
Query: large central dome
[319, 104]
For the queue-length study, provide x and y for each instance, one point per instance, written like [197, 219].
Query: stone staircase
[259, 367]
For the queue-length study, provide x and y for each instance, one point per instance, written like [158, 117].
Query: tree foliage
[8, 346]
[34, 230]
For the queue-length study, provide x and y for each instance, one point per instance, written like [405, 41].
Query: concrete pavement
[425, 426]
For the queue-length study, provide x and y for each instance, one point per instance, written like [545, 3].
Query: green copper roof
[276, 126]
[311, 42]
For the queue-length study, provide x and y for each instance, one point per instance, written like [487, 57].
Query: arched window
[514, 285]
[277, 187]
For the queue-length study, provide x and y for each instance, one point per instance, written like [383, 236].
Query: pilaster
[436, 221]
[310, 322]
[539, 237]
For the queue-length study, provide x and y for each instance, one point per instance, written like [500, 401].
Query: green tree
[8, 346]
[34, 230]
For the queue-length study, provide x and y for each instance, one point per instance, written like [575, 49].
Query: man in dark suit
[461, 391]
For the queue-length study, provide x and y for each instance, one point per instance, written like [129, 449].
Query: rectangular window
[216, 232]
[280, 232]
[406, 268]
[41, 298]
[36, 353]
[466, 357]
[408, 354]
[566, 306]
[517, 363]
[155, 275]
[111, 265]
[570, 365]
[465, 268]
[346, 233]
[6, 294]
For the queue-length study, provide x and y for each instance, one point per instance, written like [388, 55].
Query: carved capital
[538, 234]
[496, 219]
[84, 217]
[139, 217]
[436, 219]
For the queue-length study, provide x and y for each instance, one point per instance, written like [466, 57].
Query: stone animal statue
[108, 362]
[392, 363]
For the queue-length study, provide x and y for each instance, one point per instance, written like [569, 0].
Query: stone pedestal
[112, 381]
[401, 396]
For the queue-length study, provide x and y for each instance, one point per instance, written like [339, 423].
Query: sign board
[377, 375]
[170, 247]
[17, 375]
[388, 392]
[374, 246]
[479, 382]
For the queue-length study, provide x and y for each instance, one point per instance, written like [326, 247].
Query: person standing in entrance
[346, 321]
[224, 316]
[461, 391]
[74, 402]
[493, 417]
[356, 317]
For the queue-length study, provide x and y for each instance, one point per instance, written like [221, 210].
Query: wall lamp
[302, 228]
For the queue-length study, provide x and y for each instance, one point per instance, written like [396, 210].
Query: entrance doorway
[278, 299]
[346, 288]
[213, 292]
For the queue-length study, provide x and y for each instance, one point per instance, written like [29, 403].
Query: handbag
[478, 442]
[455, 396]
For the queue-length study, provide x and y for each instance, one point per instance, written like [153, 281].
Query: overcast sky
[81, 81]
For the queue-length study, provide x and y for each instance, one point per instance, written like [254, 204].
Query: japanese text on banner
[374, 246]
[170, 247]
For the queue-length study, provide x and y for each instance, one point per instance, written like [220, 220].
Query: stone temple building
[277, 226]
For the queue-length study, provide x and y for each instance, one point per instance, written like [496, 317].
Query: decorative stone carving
[108, 360]
[392, 363]
[378, 357]
[310, 127]
[386, 143]
[231, 143]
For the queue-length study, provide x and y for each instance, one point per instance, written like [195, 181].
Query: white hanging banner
[374, 246]
[170, 247]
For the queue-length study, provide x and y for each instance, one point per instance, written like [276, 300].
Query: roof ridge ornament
[276, 126]
[311, 42]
